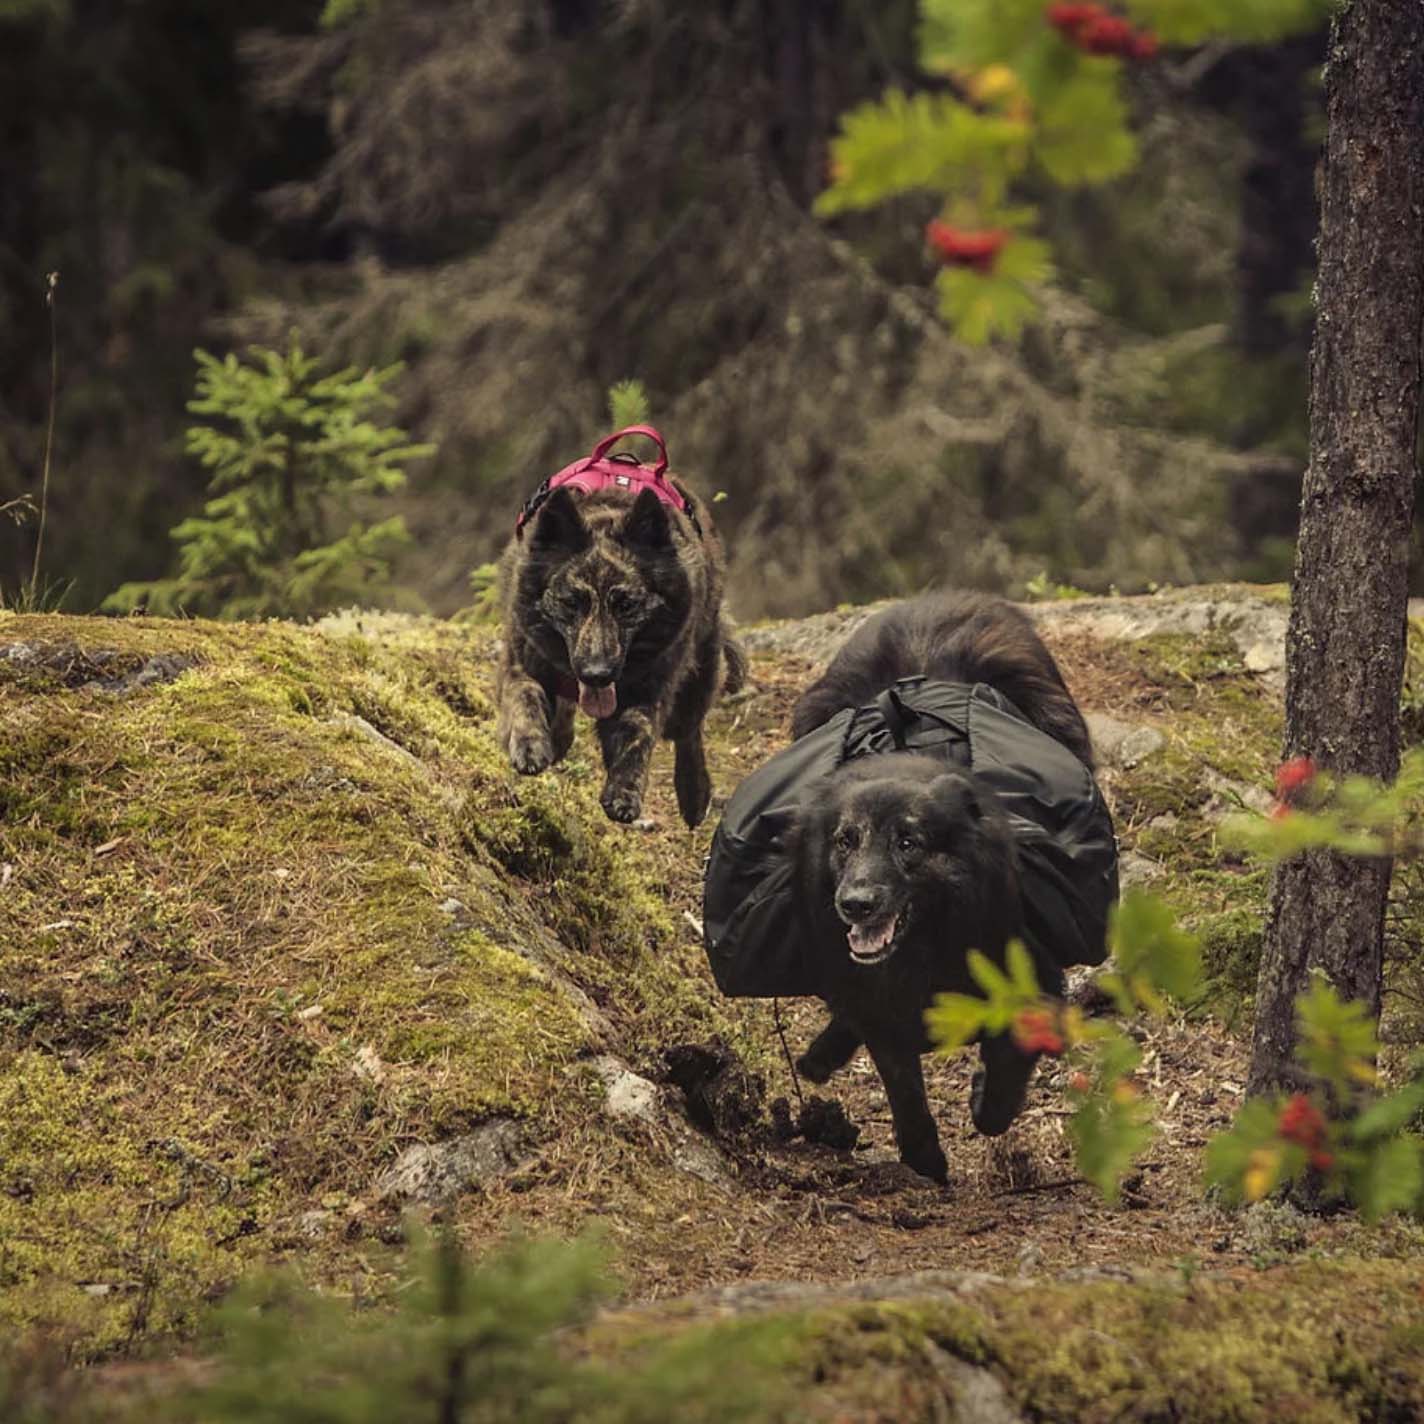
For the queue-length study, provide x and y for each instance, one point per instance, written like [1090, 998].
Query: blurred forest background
[527, 200]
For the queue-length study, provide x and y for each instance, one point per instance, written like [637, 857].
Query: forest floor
[805, 1211]
[288, 954]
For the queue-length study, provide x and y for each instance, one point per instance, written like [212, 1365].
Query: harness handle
[897, 716]
[609, 441]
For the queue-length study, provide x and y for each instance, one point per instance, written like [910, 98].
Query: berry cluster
[958, 248]
[1301, 1122]
[1037, 1031]
[1093, 30]
[1293, 780]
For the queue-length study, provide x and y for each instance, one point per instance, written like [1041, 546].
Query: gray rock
[1122, 744]
[434, 1172]
[313, 1225]
[626, 1094]
[1134, 869]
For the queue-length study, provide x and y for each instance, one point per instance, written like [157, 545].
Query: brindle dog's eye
[621, 600]
[847, 838]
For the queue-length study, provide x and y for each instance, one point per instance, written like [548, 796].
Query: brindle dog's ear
[646, 524]
[559, 525]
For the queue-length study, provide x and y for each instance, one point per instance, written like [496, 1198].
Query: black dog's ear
[559, 525]
[954, 790]
[646, 524]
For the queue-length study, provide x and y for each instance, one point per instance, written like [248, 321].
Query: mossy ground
[251, 946]
[268, 922]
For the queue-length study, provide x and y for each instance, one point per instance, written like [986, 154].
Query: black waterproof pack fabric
[1064, 834]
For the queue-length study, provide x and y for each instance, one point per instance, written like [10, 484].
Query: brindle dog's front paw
[530, 752]
[621, 803]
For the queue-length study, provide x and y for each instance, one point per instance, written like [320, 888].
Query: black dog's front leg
[915, 1130]
[627, 739]
[996, 1096]
[830, 1051]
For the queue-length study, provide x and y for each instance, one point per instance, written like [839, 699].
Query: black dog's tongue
[866, 941]
[597, 702]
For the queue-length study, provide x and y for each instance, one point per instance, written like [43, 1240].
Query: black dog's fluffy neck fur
[950, 637]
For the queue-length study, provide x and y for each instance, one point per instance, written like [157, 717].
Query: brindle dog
[613, 605]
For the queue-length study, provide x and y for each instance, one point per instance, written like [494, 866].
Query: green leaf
[1081, 136]
[1189, 22]
[1337, 1038]
[970, 34]
[954, 1020]
[1147, 943]
[1390, 1177]
[1391, 1114]
[979, 306]
[1108, 1133]
[926, 142]
[989, 977]
[1021, 971]
[1251, 1138]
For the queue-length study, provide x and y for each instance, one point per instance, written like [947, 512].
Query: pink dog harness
[601, 470]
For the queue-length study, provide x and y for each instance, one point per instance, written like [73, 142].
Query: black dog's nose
[596, 674]
[859, 903]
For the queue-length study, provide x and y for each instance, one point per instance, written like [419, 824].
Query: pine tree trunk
[1345, 646]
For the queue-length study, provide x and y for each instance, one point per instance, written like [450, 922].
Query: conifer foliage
[476, 1341]
[1037, 92]
[295, 458]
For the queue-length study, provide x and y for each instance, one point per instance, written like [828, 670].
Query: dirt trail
[800, 1211]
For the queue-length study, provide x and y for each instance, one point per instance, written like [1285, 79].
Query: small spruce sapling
[294, 455]
[482, 1341]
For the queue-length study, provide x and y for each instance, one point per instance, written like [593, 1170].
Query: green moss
[269, 932]
[1231, 948]
[1317, 1341]
[1221, 730]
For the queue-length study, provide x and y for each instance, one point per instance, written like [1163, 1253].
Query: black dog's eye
[906, 843]
[847, 838]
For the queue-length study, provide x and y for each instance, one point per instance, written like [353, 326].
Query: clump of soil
[721, 1096]
[822, 1121]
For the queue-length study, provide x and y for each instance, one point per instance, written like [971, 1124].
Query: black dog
[905, 862]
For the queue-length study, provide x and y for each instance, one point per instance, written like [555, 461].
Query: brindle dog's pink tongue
[598, 702]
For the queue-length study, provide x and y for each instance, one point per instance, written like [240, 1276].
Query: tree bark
[1345, 644]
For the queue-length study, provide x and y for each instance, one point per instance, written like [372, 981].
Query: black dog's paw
[530, 752]
[813, 1069]
[993, 1107]
[929, 1161]
[621, 803]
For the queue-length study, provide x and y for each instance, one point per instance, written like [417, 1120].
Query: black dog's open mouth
[873, 941]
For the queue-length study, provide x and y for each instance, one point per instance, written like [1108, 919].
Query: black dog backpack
[1064, 834]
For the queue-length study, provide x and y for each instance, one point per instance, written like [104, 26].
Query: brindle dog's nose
[858, 903]
[595, 674]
